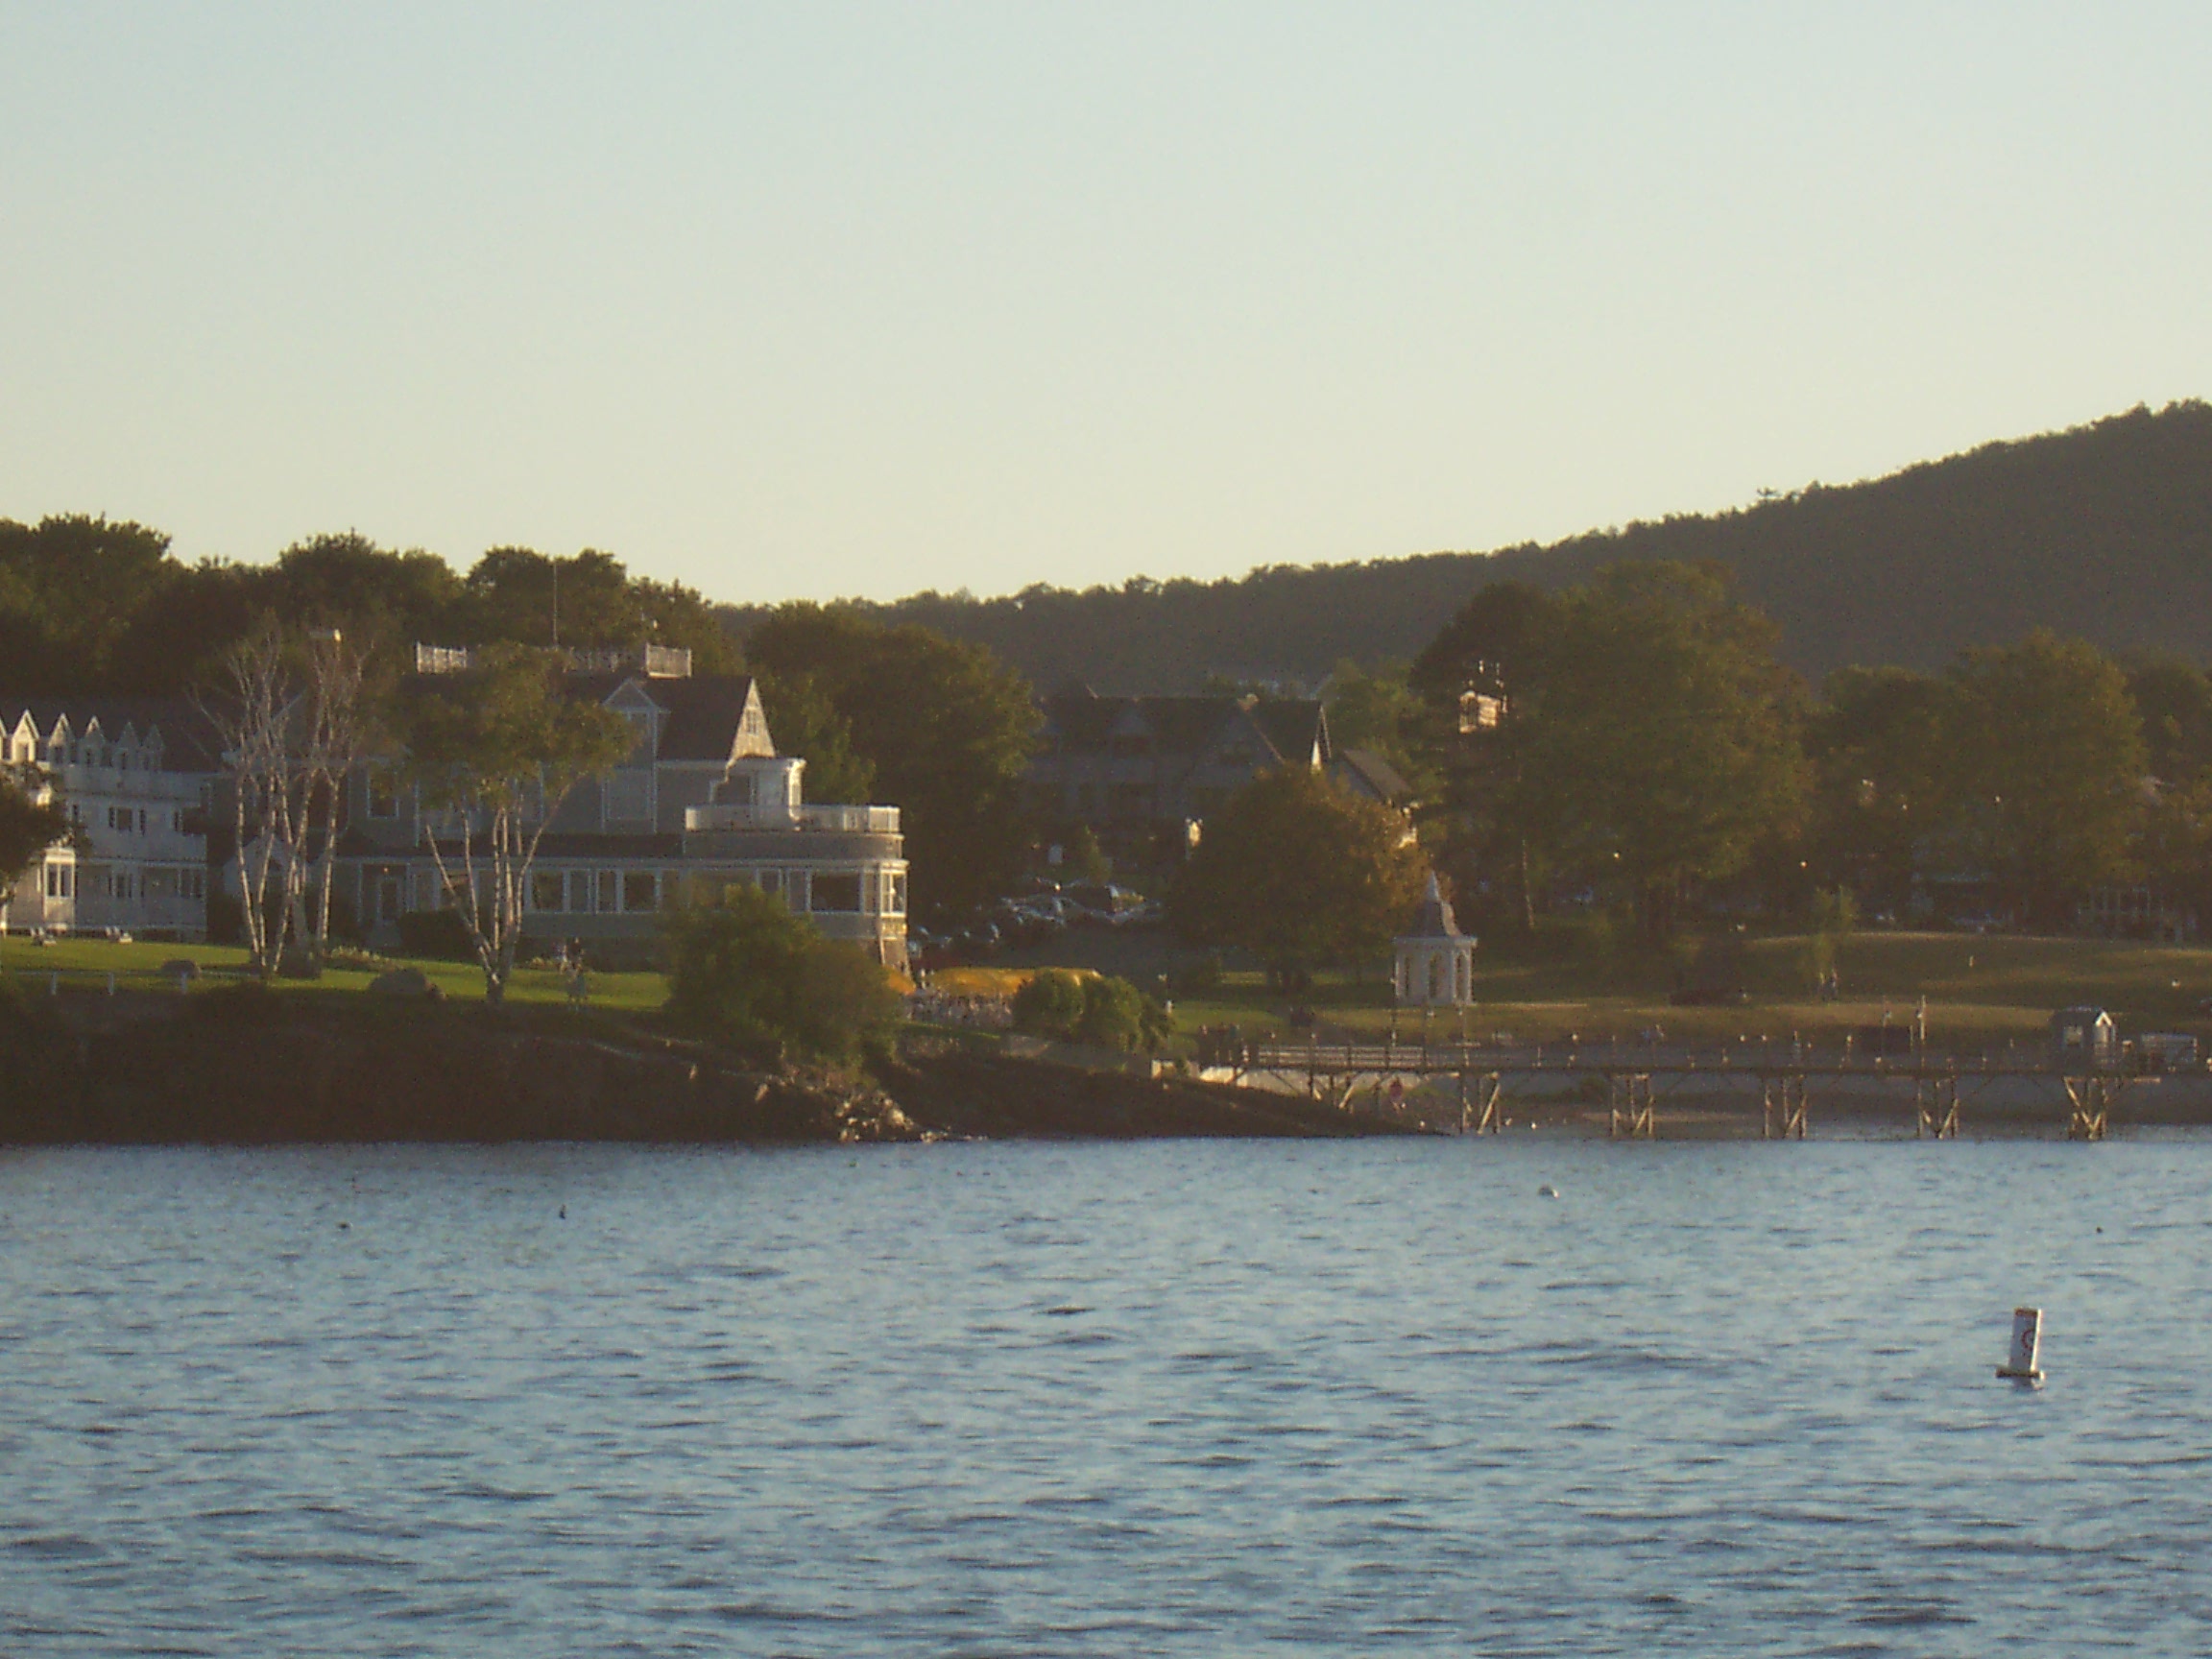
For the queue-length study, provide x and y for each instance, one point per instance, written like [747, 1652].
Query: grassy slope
[85, 964]
[1981, 991]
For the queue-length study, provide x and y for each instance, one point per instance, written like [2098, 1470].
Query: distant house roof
[705, 713]
[1078, 719]
[1368, 772]
[188, 742]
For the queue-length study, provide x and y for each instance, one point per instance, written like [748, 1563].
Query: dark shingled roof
[1378, 774]
[188, 742]
[1079, 719]
[1298, 730]
[704, 711]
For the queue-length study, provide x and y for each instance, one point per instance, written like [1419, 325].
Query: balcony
[822, 819]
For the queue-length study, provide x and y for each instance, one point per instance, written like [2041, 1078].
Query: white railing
[847, 820]
[444, 659]
[657, 662]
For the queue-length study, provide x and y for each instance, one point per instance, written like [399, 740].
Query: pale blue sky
[820, 300]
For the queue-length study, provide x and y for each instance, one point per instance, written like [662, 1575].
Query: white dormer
[646, 717]
[752, 742]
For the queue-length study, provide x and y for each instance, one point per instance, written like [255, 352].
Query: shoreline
[249, 1072]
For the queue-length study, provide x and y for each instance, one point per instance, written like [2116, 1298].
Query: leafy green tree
[1299, 874]
[1660, 745]
[1380, 712]
[2175, 845]
[1468, 678]
[590, 599]
[1094, 1008]
[1493, 639]
[1117, 1015]
[1876, 750]
[1049, 1004]
[2175, 700]
[947, 729]
[70, 587]
[384, 600]
[1083, 858]
[745, 971]
[2043, 769]
[493, 754]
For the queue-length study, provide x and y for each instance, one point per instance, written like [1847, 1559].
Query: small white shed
[1435, 960]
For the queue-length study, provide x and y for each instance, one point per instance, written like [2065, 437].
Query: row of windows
[602, 891]
[621, 892]
[77, 754]
[130, 820]
[61, 883]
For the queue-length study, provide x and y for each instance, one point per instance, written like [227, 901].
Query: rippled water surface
[1175, 1398]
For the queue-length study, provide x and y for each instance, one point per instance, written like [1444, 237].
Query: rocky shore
[265, 1070]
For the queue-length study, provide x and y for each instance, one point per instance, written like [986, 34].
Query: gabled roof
[1374, 774]
[1079, 719]
[705, 713]
[186, 741]
[1298, 730]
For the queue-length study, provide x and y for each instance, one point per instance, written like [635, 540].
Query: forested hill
[2103, 532]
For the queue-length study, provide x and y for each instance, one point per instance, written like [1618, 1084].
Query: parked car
[979, 938]
[1104, 898]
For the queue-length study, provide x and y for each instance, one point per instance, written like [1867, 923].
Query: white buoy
[2023, 1359]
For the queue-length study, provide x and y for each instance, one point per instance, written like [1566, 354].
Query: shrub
[1089, 1008]
[1051, 1005]
[748, 973]
[1113, 1014]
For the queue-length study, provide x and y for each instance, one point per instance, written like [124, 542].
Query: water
[1193, 1398]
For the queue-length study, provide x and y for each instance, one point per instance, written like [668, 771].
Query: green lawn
[1982, 992]
[84, 965]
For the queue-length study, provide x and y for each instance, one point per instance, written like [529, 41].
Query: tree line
[2100, 532]
[1632, 742]
[1630, 752]
[885, 713]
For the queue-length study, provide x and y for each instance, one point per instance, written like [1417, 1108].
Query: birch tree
[333, 728]
[249, 714]
[493, 754]
[291, 717]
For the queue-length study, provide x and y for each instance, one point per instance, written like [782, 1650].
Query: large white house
[137, 774]
[700, 802]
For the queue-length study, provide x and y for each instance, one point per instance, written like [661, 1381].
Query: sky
[823, 300]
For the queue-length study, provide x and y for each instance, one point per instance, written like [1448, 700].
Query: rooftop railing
[655, 662]
[845, 820]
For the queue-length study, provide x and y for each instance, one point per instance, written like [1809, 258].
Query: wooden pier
[1635, 1078]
